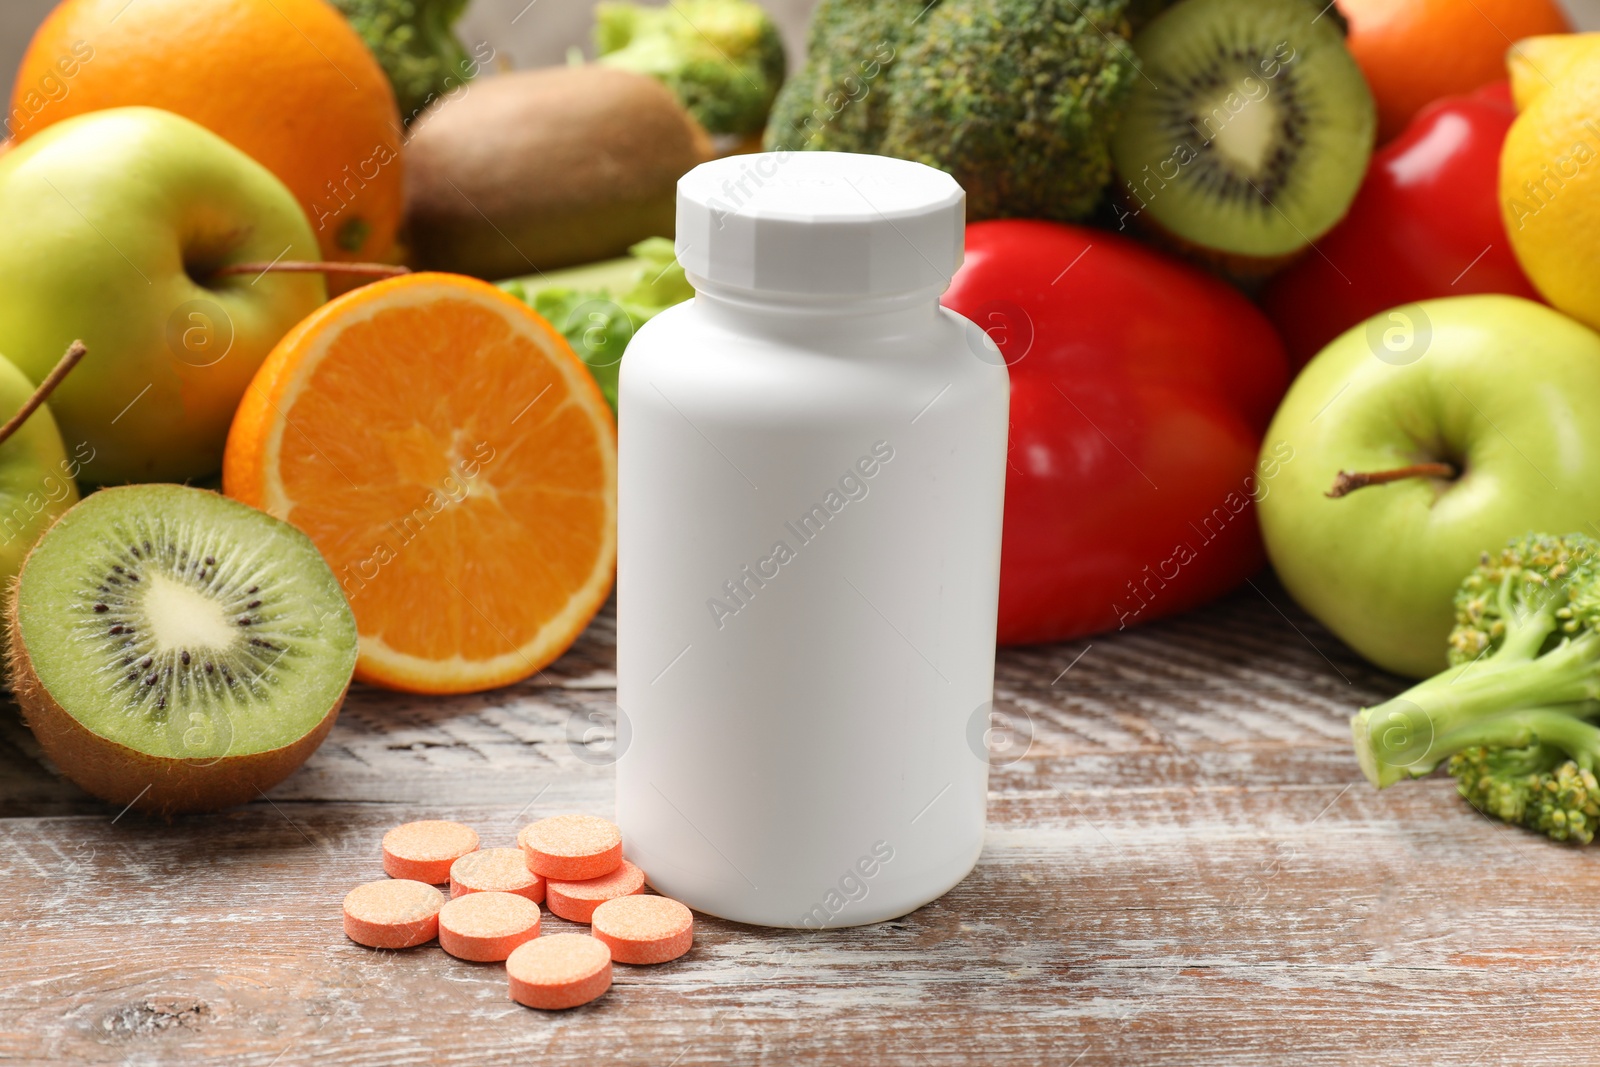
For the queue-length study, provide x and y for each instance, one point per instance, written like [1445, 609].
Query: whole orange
[1415, 51]
[287, 81]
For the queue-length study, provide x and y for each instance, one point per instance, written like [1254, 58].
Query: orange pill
[559, 971]
[487, 926]
[577, 900]
[495, 870]
[394, 913]
[572, 848]
[641, 929]
[424, 851]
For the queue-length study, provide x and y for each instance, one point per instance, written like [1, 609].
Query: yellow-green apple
[37, 476]
[1442, 429]
[113, 226]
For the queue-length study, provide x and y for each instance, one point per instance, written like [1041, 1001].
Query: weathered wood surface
[1184, 869]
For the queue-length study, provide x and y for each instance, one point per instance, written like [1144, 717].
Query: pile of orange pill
[573, 864]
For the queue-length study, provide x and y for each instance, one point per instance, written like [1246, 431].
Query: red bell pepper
[1426, 223]
[1140, 388]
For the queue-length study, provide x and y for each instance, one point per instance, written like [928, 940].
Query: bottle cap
[820, 223]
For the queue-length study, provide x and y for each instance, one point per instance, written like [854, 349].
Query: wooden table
[1185, 868]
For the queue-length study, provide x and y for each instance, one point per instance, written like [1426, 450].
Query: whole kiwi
[545, 168]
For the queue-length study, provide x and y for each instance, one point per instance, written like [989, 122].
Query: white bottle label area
[741, 589]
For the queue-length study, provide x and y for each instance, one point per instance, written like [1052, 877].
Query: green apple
[1503, 391]
[37, 476]
[113, 224]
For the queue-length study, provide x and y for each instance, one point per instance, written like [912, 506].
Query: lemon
[1538, 63]
[1550, 190]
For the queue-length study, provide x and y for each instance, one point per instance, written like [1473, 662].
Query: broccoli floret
[599, 307]
[414, 43]
[1512, 710]
[1018, 99]
[839, 102]
[1542, 779]
[723, 59]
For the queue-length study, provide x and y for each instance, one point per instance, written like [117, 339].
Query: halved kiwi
[176, 650]
[1250, 131]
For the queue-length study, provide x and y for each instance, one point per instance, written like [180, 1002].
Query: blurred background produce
[535, 42]
[597, 307]
[962, 86]
[37, 477]
[722, 58]
[129, 213]
[415, 43]
[1139, 390]
[522, 37]
[1420, 50]
[1426, 223]
[546, 168]
[246, 70]
[1549, 197]
[1243, 149]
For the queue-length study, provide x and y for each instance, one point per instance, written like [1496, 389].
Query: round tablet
[572, 848]
[641, 929]
[495, 870]
[577, 900]
[425, 850]
[559, 971]
[394, 913]
[487, 926]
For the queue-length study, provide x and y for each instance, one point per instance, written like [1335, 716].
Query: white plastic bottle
[812, 465]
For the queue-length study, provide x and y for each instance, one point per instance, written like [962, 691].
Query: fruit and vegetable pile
[1275, 281]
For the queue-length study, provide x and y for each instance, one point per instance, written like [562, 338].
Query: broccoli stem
[1563, 727]
[1526, 628]
[1410, 735]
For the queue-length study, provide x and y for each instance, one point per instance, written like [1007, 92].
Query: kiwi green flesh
[179, 624]
[1251, 130]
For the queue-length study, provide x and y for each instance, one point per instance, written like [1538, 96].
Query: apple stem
[300, 266]
[1349, 481]
[75, 352]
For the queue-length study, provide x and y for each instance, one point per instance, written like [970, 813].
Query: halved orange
[456, 465]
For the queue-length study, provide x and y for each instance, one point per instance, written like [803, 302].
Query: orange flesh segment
[455, 466]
